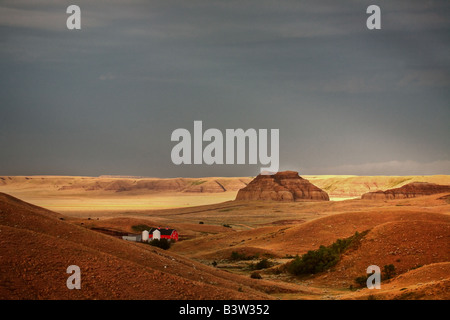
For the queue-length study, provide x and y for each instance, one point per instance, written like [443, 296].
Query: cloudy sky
[105, 99]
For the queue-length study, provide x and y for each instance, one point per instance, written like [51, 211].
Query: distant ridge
[336, 186]
[113, 176]
[410, 190]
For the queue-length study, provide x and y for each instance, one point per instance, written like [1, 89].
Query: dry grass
[212, 226]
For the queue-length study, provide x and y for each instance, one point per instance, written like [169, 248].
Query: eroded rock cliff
[410, 190]
[282, 186]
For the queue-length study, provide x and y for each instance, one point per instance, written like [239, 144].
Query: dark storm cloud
[105, 100]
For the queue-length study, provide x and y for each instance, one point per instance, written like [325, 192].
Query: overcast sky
[105, 99]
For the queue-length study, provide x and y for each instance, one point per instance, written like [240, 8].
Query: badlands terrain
[79, 195]
[50, 222]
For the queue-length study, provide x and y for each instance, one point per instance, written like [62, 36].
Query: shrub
[236, 256]
[362, 280]
[161, 243]
[262, 264]
[389, 271]
[315, 261]
[239, 256]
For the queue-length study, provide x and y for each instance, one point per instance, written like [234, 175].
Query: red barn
[163, 233]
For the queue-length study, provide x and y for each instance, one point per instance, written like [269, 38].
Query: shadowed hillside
[37, 247]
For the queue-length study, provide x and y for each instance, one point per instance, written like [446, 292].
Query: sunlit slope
[355, 186]
[37, 246]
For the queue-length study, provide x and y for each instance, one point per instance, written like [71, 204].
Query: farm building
[154, 233]
[133, 237]
[161, 233]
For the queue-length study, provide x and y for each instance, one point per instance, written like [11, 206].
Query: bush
[362, 280]
[262, 264]
[389, 271]
[255, 275]
[237, 256]
[161, 243]
[315, 261]
[240, 256]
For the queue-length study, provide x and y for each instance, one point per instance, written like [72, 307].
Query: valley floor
[412, 234]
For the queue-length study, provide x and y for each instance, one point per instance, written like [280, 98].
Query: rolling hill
[37, 246]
